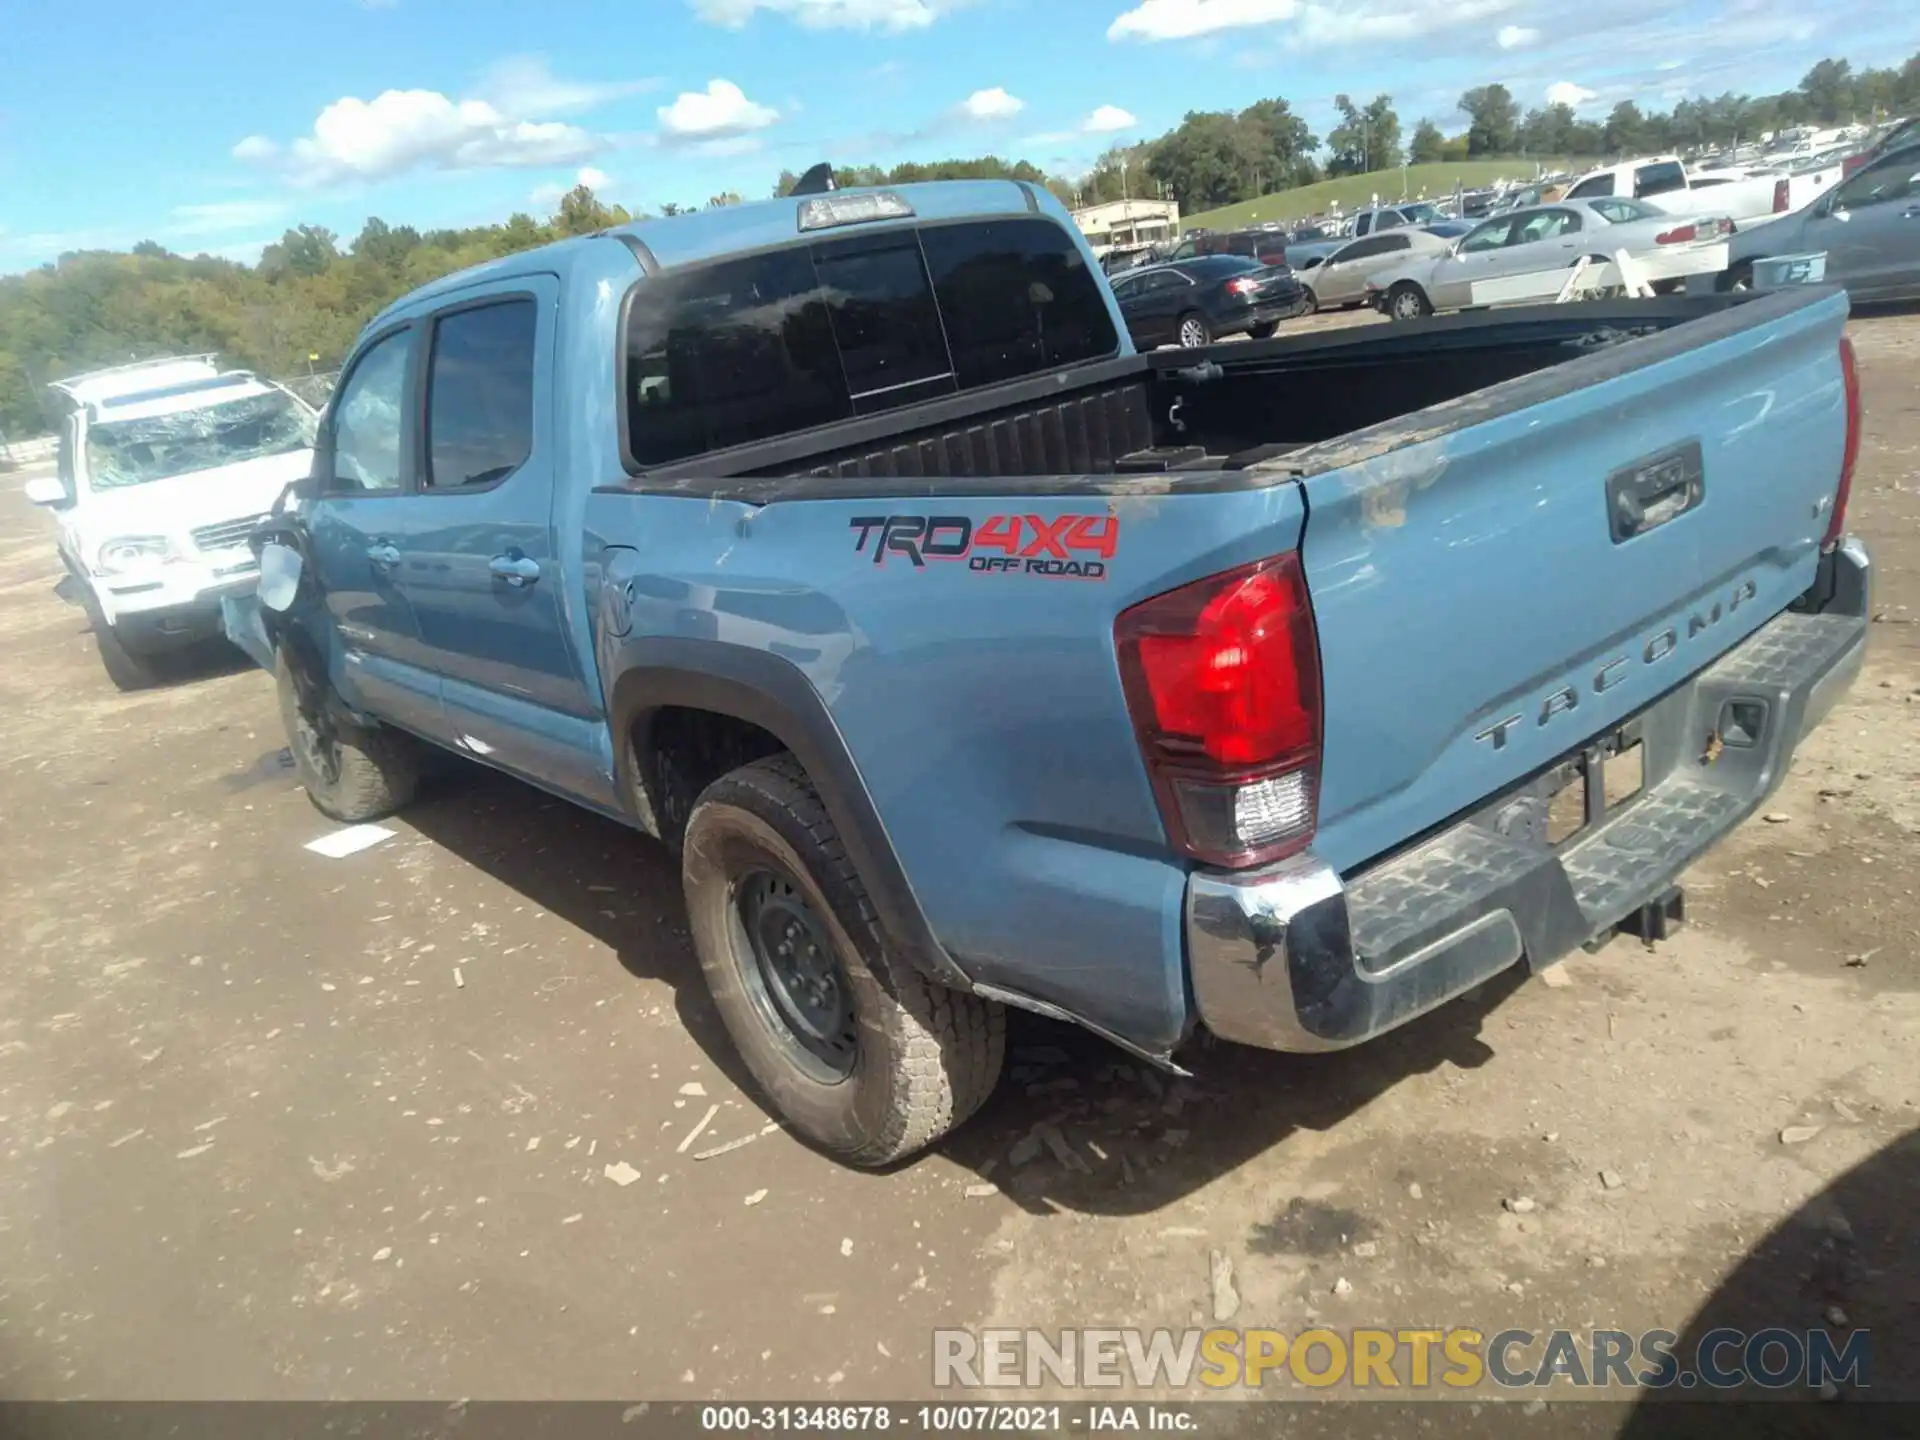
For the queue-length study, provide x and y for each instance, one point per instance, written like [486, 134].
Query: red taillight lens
[1242, 286]
[1223, 680]
[1851, 164]
[1850, 382]
[1781, 192]
[1681, 235]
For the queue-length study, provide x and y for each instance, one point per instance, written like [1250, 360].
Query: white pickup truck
[1747, 198]
[164, 467]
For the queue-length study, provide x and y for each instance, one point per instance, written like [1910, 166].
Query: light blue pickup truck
[970, 660]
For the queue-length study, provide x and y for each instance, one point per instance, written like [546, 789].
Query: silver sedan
[1535, 239]
[1341, 279]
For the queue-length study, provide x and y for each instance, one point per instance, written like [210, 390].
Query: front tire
[351, 774]
[1407, 301]
[1312, 300]
[128, 668]
[859, 1051]
[1193, 332]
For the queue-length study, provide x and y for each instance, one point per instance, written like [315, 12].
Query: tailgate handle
[1647, 494]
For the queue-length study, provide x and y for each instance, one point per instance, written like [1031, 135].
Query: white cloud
[1326, 27]
[1517, 37]
[894, 15]
[402, 130]
[548, 197]
[1184, 19]
[994, 104]
[1107, 119]
[719, 112]
[1565, 92]
[525, 87]
[223, 216]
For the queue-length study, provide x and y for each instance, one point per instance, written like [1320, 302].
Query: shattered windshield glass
[133, 452]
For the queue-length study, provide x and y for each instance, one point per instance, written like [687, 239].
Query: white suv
[165, 466]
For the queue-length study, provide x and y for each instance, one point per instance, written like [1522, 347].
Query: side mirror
[47, 490]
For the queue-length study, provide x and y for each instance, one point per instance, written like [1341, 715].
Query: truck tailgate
[1500, 579]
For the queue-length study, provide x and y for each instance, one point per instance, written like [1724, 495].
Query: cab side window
[368, 420]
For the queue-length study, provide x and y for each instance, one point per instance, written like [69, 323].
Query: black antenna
[816, 181]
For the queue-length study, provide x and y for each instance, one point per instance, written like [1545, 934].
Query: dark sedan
[1193, 302]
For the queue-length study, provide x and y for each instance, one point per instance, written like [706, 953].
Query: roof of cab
[702, 235]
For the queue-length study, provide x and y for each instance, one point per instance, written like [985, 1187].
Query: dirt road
[421, 1121]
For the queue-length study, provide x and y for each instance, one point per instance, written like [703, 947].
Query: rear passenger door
[481, 562]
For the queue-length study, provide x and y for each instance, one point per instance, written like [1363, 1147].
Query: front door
[480, 560]
[1871, 231]
[1477, 258]
[366, 459]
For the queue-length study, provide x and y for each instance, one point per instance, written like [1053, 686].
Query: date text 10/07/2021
[949, 1419]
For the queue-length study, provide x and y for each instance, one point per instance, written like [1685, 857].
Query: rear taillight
[1781, 193]
[1222, 677]
[1850, 383]
[1242, 286]
[1680, 235]
[1851, 164]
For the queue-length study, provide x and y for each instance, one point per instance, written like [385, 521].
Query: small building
[1124, 223]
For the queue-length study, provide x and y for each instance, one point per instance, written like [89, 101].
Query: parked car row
[1529, 241]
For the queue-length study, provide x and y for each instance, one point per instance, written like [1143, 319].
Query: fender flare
[650, 673]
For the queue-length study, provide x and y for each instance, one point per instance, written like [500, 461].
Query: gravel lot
[260, 1142]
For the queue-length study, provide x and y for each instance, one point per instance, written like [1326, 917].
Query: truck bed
[1183, 418]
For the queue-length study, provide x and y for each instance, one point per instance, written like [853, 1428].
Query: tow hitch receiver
[1658, 918]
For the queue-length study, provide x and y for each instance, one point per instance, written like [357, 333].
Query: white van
[164, 467]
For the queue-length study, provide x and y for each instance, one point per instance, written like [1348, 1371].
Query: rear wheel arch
[681, 706]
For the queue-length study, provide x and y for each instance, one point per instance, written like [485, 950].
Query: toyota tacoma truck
[970, 660]
[165, 467]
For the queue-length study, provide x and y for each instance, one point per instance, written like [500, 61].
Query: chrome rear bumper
[1294, 957]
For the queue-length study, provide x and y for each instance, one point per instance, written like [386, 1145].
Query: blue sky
[211, 125]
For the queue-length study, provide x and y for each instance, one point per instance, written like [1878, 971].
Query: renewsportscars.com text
[1400, 1359]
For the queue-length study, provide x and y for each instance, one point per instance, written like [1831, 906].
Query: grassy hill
[1352, 192]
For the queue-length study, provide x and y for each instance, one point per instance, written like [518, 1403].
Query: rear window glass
[745, 350]
[1016, 298]
[1587, 189]
[1659, 179]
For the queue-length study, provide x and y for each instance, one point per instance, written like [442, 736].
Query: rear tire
[1264, 330]
[1407, 301]
[351, 774]
[860, 1052]
[1193, 331]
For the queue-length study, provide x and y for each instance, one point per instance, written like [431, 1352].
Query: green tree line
[301, 306]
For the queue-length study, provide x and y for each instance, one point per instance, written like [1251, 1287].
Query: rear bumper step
[1293, 957]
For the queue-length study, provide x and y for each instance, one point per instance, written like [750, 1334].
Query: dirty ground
[450, 1116]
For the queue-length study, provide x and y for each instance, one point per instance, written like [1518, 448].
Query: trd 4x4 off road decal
[1063, 546]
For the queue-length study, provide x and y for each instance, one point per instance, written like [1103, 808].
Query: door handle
[516, 569]
[383, 554]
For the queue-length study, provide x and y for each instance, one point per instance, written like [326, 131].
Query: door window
[1886, 180]
[480, 394]
[1544, 225]
[1490, 236]
[368, 420]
